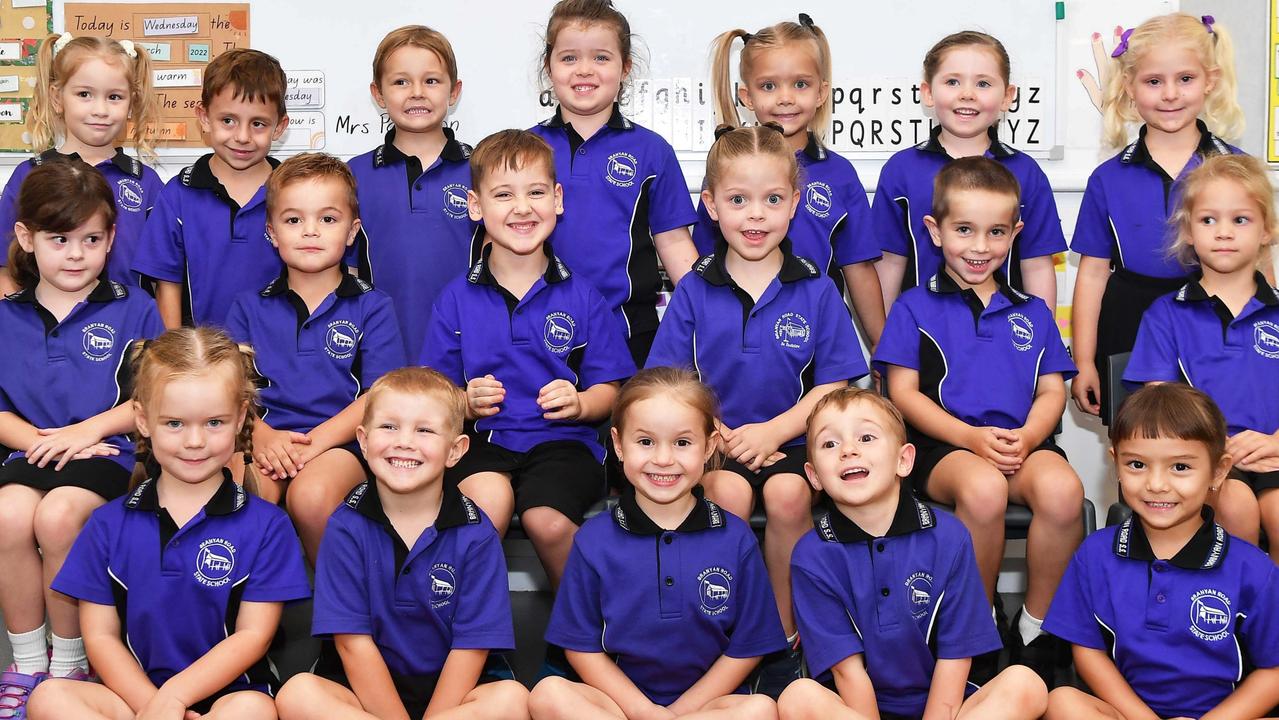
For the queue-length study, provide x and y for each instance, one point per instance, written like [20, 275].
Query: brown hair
[1170, 410]
[973, 173]
[420, 381]
[510, 150]
[59, 195]
[310, 166]
[804, 33]
[966, 38]
[1214, 49]
[193, 352]
[732, 143]
[1245, 170]
[845, 397]
[587, 12]
[419, 36]
[55, 69]
[251, 75]
[680, 383]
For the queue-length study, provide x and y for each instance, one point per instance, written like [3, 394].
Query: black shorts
[930, 452]
[353, 447]
[562, 474]
[415, 690]
[1258, 481]
[640, 344]
[1128, 295]
[796, 456]
[205, 705]
[100, 475]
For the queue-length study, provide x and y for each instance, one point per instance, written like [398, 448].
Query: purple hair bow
[1122, 47]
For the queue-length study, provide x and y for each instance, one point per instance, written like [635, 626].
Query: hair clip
[806, 20]
[129, 49]
[61, 42]
[1208, 20]
[722, 130]
[1122, 47]
[747, 37]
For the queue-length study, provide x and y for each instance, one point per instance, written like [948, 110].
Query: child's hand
[560, 400]
[99, 450]
[62, 443]
[752, 444]
[1086, 389]
[163, 707]
[1252, 450]
[994, 446]
[275, 451]
[483, 395]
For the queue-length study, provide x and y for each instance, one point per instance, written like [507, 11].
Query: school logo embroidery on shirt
[818, 199]
[1265, 338]
[1210, 615]
[98, 340]
[1023, 331]
[128, 194]
[215, 562]
[622, 169]
[792, 330]
[920, 588]
[340, 339]
[558, 331]
[716, 585]
[443, 584]
[455, 200]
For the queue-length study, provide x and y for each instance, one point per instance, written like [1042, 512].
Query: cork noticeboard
[182, 38]
[23, 24]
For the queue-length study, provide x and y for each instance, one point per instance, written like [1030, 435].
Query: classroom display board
[181, 38]
[1272, 83]
[23, 23]
[327, 46]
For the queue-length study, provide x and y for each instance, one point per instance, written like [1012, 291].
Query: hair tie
[1208, 20]
[774, 126]
[1122, 47]
[61, 42]
[747, 37]
[722, 130]
[129, 49]
[806, 20]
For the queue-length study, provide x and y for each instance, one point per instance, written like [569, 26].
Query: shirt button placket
[670, 589]
[1158, 606]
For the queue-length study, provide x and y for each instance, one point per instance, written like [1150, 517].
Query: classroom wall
[1080, 122]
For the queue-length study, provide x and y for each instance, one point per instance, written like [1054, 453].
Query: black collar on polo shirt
[1205, 550]
[229, 497]
[106, 291]
[1137, 152]
[121, 160]
[911, 516]
[456, 509]
[714, 270]
[1193, 291]
[997, 147]
[616, 119]
[387, 152]
[943, 284]
[556, 270]
[630, 517]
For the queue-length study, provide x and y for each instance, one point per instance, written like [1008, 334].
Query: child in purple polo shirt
[182, 582]
[64, 413]
[1168, 614]
[886, 588]
[979, 372]
[537, 349]
[90, 90]
[665, 608]
[1220, 331]
[410, 588]
[416, 234]
[206, 240]
[321, 338]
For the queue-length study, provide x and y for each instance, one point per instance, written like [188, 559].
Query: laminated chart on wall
[23, 24]
[1272, 82]
[182, 38]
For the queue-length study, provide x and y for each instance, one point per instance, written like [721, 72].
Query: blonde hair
[423, 382]
[680, 383]
[54, 69]
[845, 397]
[1245, 170]
[418, 36]
[770, 38]
[193, 352]
[732, 143]
[1212, 46]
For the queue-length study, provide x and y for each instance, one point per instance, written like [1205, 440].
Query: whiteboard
[327, 47]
